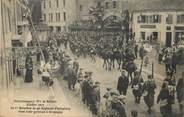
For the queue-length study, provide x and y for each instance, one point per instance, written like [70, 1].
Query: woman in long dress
[29, 69]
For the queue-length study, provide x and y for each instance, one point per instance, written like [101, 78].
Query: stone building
[158, 21]
[11, 12]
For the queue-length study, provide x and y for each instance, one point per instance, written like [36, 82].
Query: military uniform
[137, 87]
[149, 92]
[123, 82]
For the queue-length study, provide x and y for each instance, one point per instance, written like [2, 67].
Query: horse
[130, 67]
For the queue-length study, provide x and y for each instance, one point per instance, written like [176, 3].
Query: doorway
[168, 39]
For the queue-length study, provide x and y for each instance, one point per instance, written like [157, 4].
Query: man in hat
[84, 88]
[76, 65]
[123, 82]
[180, 93]
[118, 105]
[149, 92]
[80, 74]
[137, 85]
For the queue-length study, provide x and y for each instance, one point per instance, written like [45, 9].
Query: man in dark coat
[141, 52]
[174, 62]
[163, 100]
[123, 83]
[180, 93]
[137, 86]
[136, 50]
[118, 105]
[84, 89]
[149, 92]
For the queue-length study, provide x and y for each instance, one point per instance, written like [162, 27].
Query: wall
[159, 27]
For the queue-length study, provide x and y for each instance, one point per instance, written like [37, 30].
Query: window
[57, 3]
[80, 7]
[180, 19]
[169, 19]
[51, 28]
[107, 5]
[156, 18]
[64, 16]
[44, 5]
[99, 4]
[114, 4]
[64, 3]
[49, 4]
[44, 17]
[149, 19]
[58, 28]
[143, 35]
[50, 17]
[57, 17]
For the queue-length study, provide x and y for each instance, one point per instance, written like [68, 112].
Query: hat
[106, 95]
[108, 88]
[122, 71]
[97, 82]
[90, 72]
[85, 76]
[86, 72]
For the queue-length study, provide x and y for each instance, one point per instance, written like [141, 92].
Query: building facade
[11, 15]
[58, 14]
[161, 24]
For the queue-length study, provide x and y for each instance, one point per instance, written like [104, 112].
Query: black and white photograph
[91, 58]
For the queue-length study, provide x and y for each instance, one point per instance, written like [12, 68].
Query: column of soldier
[84, 86]
[91, 96]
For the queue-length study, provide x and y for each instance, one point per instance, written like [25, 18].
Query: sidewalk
[24, 96]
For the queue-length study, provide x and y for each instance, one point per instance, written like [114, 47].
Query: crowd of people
[83, 85]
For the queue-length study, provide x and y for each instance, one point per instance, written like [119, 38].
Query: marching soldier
[123, 82]
[149, 92]
[84, 88]
[137, 86]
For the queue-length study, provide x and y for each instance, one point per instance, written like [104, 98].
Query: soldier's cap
[95, 86]
[90, 72]
[67, 56]
[106, 95]
[97, 82]
[108, 88]
[86, 72]
[85, 76]
[81, 69]
[149, 76]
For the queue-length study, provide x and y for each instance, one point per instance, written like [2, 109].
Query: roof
[155, 5]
